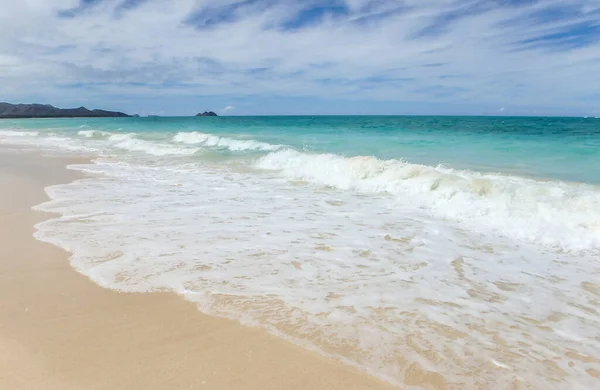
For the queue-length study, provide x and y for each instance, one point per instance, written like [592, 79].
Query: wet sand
[58, 330]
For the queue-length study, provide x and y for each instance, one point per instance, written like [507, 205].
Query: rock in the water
[8, 110]
[207, 113]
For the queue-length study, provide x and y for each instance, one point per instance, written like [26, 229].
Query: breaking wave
[553, 213]
[131, 143]
[209, 140]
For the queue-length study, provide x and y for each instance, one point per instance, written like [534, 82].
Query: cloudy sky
[178, 57]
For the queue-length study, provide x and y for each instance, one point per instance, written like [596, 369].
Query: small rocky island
[207, 113]
[14, 111]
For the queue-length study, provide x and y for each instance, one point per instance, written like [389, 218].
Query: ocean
[459, 252]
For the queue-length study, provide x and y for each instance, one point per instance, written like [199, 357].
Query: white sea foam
[86, 133]
[106, 135]
[559, 214]
[209, 140]
[117, 137]
[152, 148]
[476, 280]
[131, 142]
[18, 133]
[99, 141]
[43, 141]
[93, 133]
[386, 286]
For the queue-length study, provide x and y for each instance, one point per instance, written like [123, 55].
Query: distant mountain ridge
[8, 110]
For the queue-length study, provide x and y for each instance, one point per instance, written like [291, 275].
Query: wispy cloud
[227, 109]
[486, 53]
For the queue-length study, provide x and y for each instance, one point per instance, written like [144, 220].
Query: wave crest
[209, 140]
[94, 133]
[129, 142]
[557, 214]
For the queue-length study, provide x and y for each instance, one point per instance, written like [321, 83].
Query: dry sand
[58, 330]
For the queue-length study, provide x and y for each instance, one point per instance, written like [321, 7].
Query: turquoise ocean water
[554, 148]
[463, 249]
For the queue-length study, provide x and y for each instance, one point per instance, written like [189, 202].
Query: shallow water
[458, 252]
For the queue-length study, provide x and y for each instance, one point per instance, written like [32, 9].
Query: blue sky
[239, 57]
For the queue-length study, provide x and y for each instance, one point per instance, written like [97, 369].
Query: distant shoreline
[304, 116]
[38, 111]
[61, 117]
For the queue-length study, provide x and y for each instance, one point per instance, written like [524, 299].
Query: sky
[308, 57]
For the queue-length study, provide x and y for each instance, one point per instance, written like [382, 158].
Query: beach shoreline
[58, 330]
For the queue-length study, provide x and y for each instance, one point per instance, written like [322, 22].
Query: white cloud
[149, 51]
[228, 109]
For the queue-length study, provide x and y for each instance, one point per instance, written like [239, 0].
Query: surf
[557, 214]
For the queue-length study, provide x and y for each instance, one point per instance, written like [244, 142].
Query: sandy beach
[58, 330]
